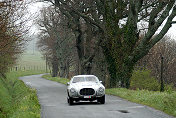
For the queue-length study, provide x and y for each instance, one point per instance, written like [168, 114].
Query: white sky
[35, 9]
[172, 30]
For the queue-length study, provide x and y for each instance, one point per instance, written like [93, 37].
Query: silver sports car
[85, 87]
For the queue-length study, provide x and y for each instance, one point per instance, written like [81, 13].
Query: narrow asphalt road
[52, 97]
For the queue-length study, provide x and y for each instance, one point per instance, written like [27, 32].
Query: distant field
[31, 61]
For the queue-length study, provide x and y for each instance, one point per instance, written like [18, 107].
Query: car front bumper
[86, 98]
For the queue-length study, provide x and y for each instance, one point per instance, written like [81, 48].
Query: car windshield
[92, 79]
[83, 79]
[78, 79]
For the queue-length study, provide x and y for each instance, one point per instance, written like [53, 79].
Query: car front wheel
[101, 100]
[70, 100]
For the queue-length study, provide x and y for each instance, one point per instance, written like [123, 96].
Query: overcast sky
[35, 9]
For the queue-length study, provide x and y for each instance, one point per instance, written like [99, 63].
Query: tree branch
[154, 28]
[165, 28]
[173, 22]
[144, 45]
[85, 17]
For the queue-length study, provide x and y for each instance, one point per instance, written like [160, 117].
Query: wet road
[52, 97]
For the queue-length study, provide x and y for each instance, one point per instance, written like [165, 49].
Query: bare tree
[58, 43]
[12, 31]
[167, 49]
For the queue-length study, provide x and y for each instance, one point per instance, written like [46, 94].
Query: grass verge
[57, 79]
[17, 100]
[164, 101]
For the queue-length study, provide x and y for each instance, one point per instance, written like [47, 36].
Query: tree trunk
[125, 74]
[83, 44]
[62, 70]
[80, 47]
[54, 67]
[120, 73]
[86, 67]
[117, 51]
[111, 68]
[67, 69]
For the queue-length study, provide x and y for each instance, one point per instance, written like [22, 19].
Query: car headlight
[72, 90]
[101, 89]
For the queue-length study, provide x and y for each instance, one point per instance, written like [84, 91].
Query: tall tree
[56, 41]
[85, 39]
[117, 21]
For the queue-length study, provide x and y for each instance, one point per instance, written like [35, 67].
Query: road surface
[52, 97]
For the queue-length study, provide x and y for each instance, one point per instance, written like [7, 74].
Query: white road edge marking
[29, 83]
[114, 100]
[135, 107]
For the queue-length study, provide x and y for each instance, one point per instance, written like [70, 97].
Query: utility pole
[46, 64]
[161, 76]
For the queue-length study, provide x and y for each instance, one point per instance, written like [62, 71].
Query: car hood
[81, 85]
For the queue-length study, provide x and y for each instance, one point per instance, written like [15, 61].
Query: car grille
[87, 91]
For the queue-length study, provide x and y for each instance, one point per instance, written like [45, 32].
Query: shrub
[142, 79]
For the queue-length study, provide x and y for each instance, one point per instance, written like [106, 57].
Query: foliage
[142, 79]
[163, 101]
[18, 101]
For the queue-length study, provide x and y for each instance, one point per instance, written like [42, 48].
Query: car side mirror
[68, 83]
[100, 81]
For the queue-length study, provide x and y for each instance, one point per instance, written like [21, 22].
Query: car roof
[84, 76]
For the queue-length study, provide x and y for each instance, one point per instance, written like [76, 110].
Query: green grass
[17, 100]
[164, 101]
[57, 79]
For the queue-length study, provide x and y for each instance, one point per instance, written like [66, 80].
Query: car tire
[101, 100]
[70, 100]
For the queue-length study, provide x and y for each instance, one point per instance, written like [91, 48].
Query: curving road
[52, 97]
